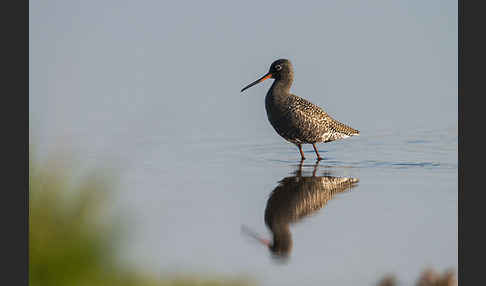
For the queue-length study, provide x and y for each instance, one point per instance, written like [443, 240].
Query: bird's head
[279, 69]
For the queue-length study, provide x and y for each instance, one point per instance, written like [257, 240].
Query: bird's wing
[297, 197]
[314, 116]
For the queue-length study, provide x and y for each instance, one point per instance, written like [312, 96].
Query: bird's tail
[347, 130]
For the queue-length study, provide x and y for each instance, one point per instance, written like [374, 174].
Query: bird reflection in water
[295, 198]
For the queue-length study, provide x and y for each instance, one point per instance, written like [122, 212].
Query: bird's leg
[298, 173]
[319, 158]
[301, 152]
[315, 169]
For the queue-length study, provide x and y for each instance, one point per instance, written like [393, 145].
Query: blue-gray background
[152, 88]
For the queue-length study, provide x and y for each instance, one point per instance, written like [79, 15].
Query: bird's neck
[281, 86]
[282, 239]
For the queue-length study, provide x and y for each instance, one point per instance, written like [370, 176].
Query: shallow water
[187, 193]
[189, 201]
[190, 185]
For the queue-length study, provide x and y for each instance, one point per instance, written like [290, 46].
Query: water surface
[189, 199]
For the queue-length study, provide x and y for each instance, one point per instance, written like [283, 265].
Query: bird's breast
[276, 108]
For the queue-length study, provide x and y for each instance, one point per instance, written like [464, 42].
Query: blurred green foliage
[72, 239]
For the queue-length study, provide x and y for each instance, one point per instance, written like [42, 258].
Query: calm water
[186, 201]
[195, 169]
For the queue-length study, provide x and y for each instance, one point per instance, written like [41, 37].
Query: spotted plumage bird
[295, 198]
[294, 118]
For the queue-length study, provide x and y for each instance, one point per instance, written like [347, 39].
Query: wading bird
[295, 198]
[296, 119]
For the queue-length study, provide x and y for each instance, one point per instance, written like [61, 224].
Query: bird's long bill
[265, 77]
[254, 235]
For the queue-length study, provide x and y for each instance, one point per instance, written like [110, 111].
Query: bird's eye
[278, 67]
